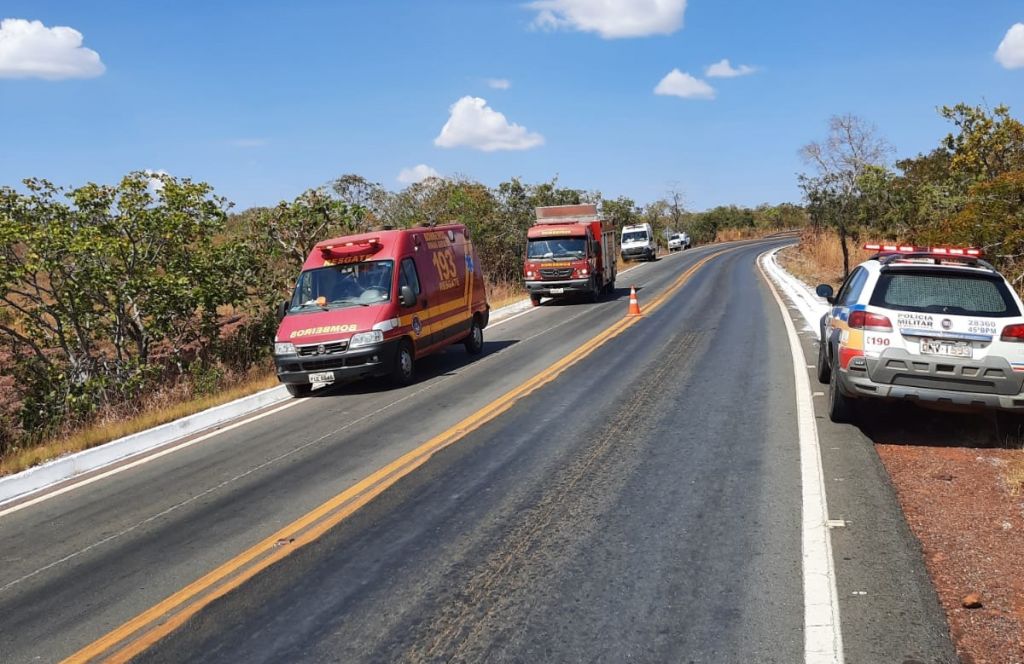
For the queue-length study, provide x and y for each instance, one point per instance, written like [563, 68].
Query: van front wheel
[298, 390]
[404, 364]
[475, 341]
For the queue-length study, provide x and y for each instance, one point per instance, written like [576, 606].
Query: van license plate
[324, 377]
[950, 348]
[556, 291]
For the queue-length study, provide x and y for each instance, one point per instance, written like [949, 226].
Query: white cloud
[1010, 53]
[156, 184]
[417, 173]
[499, 83]
[474, 124]
[29, 49]
[247, 142]
[612, 19]
[725, 70]
[681, 84]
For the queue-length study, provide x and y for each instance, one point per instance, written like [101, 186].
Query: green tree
[97, 280]
[621, 211]
[295, 227]
[986, 144]
[851, 147]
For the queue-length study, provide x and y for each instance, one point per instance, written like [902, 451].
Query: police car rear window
[943, 292]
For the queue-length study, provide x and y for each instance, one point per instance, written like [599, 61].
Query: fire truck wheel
[402, 370]
[475, 341]
[298, 389]
[535, 300]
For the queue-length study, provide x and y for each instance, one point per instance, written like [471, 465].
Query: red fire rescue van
[373, 304]
[569, 249]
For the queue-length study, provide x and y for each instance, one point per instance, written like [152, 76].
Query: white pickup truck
[678, 242]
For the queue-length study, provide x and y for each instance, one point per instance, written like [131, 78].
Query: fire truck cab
[373, 304]
[570, 250]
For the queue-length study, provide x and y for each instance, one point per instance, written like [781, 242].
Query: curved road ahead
[640, 503]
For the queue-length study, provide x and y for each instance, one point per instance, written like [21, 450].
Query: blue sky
[265, 99]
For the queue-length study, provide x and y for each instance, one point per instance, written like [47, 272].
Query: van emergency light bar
[933, 251]
[354, 248]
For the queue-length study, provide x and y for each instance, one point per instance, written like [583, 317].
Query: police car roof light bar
[923, 251]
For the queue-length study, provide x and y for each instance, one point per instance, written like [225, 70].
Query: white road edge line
[823, 639]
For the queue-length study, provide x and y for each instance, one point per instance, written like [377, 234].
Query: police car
[935, 325]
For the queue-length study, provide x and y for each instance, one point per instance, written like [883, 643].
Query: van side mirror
[406, 297]
[825, 291]
[282, 309]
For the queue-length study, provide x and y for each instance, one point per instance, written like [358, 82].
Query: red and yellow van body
[346, 317]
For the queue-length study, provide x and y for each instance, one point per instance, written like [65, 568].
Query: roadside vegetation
[125, 306]
[967, 191]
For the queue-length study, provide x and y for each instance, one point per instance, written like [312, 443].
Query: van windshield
[563, 247]
[355, 284]
[635, 236]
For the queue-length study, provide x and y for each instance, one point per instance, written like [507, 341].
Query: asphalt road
[642, 506]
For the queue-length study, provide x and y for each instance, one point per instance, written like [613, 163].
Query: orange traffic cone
[634, 304]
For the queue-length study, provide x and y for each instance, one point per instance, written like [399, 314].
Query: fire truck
[569, 250]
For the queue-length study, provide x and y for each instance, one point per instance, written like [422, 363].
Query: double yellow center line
[150, 626]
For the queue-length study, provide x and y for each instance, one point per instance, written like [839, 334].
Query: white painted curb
[810, 306]
[17, 486]
[58, 470]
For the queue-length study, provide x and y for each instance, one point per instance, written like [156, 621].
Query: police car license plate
[323, 377]
[950, 348]
[556, 291]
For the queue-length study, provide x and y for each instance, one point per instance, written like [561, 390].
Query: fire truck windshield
[563, 247]
[348, 285]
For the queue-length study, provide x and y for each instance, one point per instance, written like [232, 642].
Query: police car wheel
[403, 368]
[840, 406]
[824, 370]
[298, 389]
[475, 341]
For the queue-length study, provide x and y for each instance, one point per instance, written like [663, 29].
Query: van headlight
[366, 339]
[284, 348]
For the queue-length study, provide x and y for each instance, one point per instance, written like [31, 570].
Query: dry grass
[733, 234]
[818, 259]
[504, 293]
[1015, 477]
[106, 431]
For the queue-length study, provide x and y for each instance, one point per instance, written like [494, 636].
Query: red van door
[409, 275]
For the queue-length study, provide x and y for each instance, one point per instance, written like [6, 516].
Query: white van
[638, 242]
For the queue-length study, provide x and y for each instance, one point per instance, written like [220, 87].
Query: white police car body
[936, 325]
